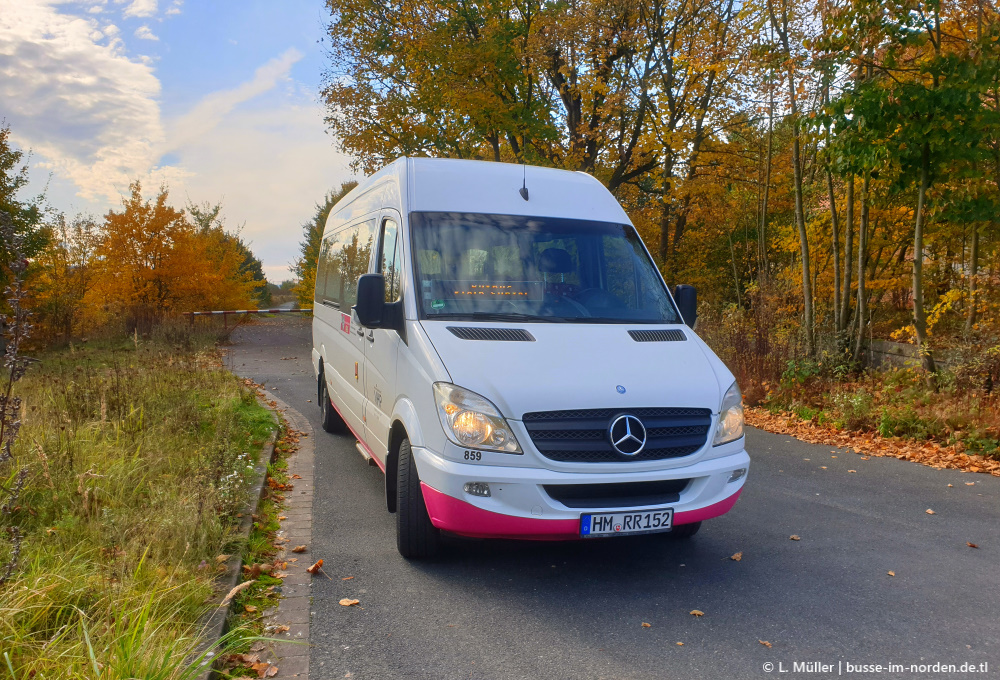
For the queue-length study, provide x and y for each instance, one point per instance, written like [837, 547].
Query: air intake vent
[497, 334]
[671, 335]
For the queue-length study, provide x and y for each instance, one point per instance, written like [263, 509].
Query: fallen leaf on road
[795, 537]
[235, 591]
[930, 512]
[281, 629]
[970, 483]
[971, 545]
[891, 573]
[347, 578]
[765, 643]
[832, 456]
[348, 602]
[282, 517]
[697, 612]
[680, 644]
[737, 557]
[265, 670]
[299, 549]
[852, 470]
[646, 625]
[950, 485]
[822, 467]
[314, 569]
[296, 476]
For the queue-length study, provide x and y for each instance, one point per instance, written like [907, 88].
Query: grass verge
[141, 456]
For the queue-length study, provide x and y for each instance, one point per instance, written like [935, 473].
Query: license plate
[623, 523]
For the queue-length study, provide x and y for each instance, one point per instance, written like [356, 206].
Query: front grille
[489, 333]
[618, 495]
[581, 436]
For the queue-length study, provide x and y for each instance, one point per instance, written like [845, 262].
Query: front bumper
[519, 507]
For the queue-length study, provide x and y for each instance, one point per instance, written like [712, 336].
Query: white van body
[550, 382]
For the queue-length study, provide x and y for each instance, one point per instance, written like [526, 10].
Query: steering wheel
[597, 297]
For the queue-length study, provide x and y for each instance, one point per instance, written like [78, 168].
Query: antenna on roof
[524, 187]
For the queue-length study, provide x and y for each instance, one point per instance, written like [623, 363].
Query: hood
[578, 366]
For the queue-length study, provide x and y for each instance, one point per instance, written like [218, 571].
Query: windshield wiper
[508, 316]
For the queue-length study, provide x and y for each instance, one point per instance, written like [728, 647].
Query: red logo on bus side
[345, 322]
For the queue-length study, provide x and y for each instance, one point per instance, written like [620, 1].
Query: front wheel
[416, 537]
[682, 531]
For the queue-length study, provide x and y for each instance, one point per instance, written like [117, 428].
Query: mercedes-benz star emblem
[628, 435]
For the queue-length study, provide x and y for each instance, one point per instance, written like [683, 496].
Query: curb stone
[296, 529]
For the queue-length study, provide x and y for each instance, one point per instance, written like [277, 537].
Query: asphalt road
[506, 609]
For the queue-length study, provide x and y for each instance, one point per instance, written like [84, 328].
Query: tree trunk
[800, 221]
[845, 302]
[762, 264]
[862, 264]
[919, 319]
[781, 28]
[970, 318]
[835, 243]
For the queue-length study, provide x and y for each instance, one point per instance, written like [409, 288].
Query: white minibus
[500, 343]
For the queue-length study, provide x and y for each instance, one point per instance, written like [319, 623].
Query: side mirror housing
[686, 298]
[371, 300]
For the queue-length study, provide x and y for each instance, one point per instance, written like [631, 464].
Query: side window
[324, 251]
[344, 259]
[390, 264]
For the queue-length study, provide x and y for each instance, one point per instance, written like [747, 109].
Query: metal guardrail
[225, 314]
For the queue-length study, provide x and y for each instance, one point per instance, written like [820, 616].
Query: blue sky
[219, 100]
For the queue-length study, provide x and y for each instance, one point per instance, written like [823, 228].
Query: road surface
[575, 610]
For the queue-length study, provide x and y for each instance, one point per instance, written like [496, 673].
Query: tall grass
[140, 455]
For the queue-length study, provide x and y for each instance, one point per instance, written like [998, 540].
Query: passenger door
[382, 344]
[348, 255]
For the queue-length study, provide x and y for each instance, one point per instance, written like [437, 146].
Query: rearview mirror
[371, 300]
[686, 298]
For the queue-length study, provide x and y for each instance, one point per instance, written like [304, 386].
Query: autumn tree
[26, 215]
[151, 260]
[208, 220]
[64, 273]
[920, 112]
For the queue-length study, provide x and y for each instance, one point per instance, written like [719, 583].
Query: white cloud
[86, 109]
[211, 110]
[90, 113]
[175, 8]
[144, 33]
[141, 8]
[271, 167]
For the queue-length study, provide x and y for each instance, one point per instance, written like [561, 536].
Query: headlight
[730, 425]
[471, 421]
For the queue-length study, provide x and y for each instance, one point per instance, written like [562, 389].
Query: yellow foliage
[143, 262]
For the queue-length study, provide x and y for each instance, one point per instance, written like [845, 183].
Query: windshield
[513, 268]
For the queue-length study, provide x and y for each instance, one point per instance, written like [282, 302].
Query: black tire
[332, 422]
[682, 531]
[416, 537]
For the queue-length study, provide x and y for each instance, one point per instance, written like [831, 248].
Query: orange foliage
[151, 261]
